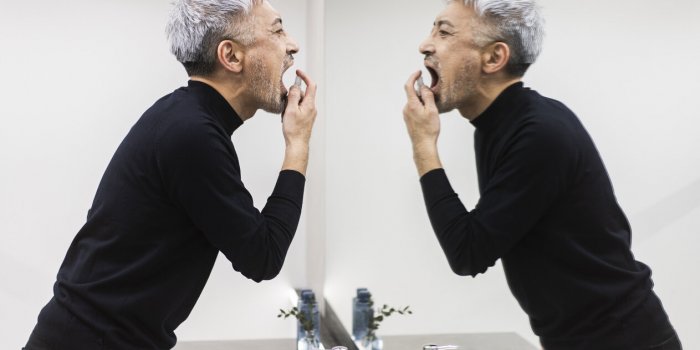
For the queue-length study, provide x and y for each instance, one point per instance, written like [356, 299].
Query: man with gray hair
[172, 197]
[547, 207]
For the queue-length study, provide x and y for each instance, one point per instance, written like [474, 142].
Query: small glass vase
[308, 342]
[371, 343]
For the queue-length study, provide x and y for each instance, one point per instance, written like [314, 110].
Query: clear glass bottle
[371, 343]
[307, 305]
[309, 341]
[362, 314]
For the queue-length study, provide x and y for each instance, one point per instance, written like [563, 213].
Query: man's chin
[275, 108]
[443, 106]
[272, 101]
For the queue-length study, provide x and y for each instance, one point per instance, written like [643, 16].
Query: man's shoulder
[541, 124]
[539, 105]
[549, 115]
[178, 115]
[176, 107]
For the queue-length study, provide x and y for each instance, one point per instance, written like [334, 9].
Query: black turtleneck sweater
[169, 201]
[548, 211]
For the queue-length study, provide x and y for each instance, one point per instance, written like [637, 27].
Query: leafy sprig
[384, 312]
[306, 323]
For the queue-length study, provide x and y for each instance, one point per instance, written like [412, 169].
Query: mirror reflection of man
[547, 207]
[172, 196]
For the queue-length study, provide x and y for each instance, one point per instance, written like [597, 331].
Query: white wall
[76, 75]
[629, 69]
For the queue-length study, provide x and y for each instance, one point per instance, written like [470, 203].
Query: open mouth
[284, 88]
[435, 77]
[287, 64]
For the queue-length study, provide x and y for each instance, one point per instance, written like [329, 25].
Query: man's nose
[292, 46]
[426, 47]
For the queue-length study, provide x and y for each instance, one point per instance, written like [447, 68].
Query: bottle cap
[363, 295]
[308, 295]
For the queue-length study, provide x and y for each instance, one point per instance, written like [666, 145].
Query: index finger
[409, 86]
[310, 86]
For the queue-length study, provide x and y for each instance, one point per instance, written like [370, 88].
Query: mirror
[628, 71]
[608, 62]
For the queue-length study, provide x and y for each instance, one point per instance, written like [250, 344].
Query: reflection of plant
[306, 323]
[385, 312]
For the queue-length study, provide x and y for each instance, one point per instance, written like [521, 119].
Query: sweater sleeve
[201, 172]
[526, 180]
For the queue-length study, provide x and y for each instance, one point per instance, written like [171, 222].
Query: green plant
[307, 323]
[384, 312]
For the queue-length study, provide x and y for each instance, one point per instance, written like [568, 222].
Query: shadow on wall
[665, 212]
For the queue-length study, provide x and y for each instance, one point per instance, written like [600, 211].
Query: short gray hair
[518, 23]
[196, 27]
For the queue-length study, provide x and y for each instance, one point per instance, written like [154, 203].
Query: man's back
[570, 267]
[170, 199]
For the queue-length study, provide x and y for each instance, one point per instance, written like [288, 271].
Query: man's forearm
[426, 157]
[296, 157]
[297, 121]
[468, 247]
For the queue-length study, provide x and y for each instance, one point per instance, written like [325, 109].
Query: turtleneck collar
[217, 105]
[502, 106]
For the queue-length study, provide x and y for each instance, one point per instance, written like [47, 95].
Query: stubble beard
[266, 89]
[460, 91]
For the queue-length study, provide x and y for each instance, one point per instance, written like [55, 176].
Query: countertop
[466, 341]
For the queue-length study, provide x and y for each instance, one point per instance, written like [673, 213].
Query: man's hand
[423, 124]
[297, 122]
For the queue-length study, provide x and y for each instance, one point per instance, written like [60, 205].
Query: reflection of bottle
[362, 313]
[308, 306]
[310, 342]
[302, 309]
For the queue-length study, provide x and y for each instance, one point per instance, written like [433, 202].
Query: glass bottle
[362, 314]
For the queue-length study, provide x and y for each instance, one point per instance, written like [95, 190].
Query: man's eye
[281, 31]
[443, 33]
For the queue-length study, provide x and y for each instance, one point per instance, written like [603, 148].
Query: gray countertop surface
[263, 344]
[466, 341]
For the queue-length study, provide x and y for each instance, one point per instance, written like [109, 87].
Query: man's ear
[230, 55]
[495, 57]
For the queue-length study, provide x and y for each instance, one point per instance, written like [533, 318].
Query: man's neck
[484, 96]
[233, 93]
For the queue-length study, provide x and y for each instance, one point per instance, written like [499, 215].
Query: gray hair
[196, 27]
[518, 23]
